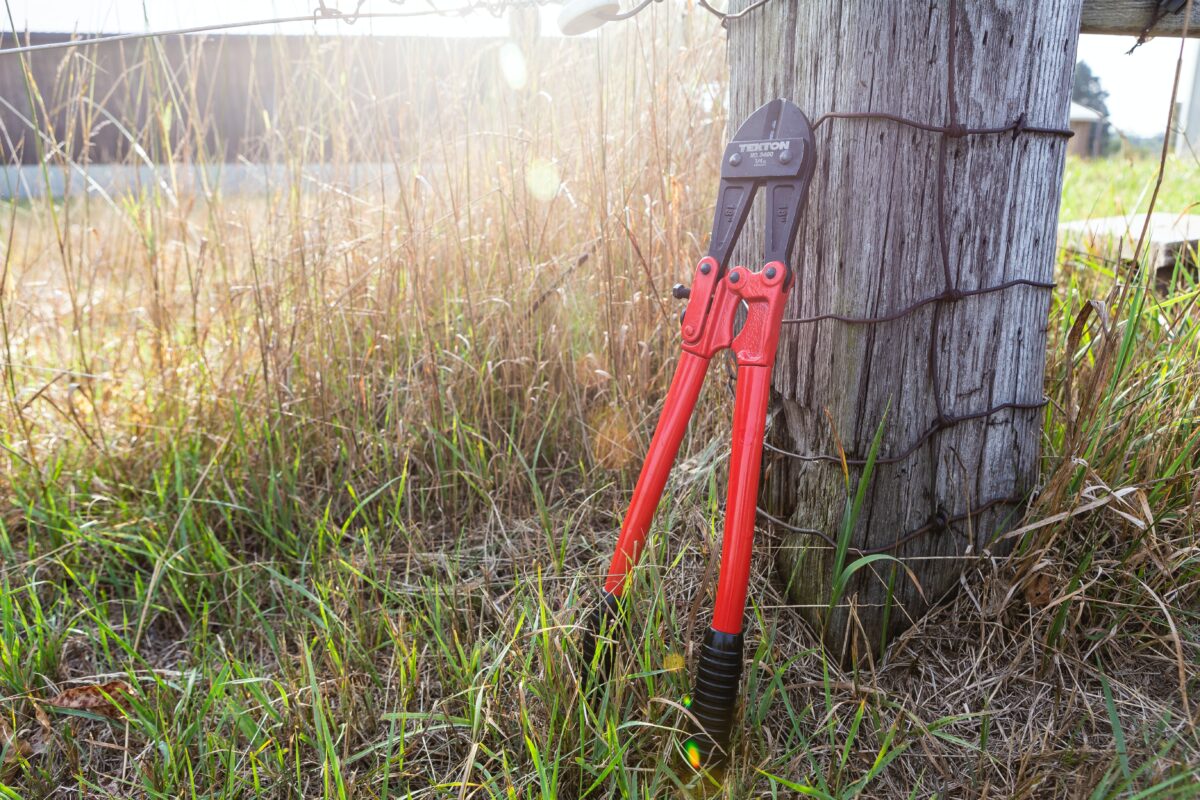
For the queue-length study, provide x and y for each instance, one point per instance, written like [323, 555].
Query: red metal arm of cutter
[773, 151]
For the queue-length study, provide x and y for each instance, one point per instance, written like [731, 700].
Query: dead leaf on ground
[103, 698]
[1039, 590]
[42, 717]
[13, 748]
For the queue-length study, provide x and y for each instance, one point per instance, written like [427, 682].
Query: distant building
[226, 98]
[1088, 126]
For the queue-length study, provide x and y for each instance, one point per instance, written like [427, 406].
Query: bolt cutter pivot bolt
[773, 151]
[680, 292]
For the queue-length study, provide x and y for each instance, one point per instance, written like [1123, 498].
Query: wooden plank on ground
[1130, 17]
[1170, 238]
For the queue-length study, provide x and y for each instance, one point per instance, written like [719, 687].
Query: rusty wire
[324, 11]
[937, 426]
[729, 16]
[938, 521]
[943, 419]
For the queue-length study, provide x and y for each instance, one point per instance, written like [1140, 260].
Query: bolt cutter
[773, 152]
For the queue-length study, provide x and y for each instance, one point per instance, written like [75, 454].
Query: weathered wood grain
[870, 245]
[1130, 17]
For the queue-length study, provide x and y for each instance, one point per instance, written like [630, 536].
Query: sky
[1139, 85]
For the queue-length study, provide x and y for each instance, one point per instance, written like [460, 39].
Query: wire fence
[952, 129]
[325, 12]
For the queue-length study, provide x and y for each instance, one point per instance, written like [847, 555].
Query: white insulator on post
[580, 16]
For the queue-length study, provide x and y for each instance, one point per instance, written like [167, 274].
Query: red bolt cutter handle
[765, 293]
[698, 351]
[754, 350]
[714, 700]
[677, 410]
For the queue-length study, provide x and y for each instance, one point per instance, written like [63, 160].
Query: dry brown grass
[325, 473]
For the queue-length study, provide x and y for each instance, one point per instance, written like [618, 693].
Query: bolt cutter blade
[772, 143]
[773, 149]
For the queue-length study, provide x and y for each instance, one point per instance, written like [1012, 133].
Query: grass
[1122, 185]
[325, 476]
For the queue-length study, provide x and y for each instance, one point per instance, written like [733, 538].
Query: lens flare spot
[512, 66]
[613, 443]
[542, 179]
[692, 749]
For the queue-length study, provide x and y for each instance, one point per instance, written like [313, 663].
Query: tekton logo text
[765, 147]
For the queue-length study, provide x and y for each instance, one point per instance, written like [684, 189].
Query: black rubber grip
[602, 617]
[714, 701]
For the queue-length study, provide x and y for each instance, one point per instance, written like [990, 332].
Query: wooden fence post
[946, 238]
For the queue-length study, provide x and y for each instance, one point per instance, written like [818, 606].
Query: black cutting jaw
[773, 150]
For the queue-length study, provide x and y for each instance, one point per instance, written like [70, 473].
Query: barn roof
[1081, 113]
